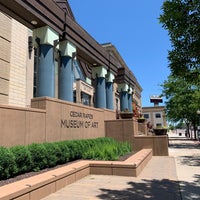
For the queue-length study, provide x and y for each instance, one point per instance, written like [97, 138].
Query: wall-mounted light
[34, 22]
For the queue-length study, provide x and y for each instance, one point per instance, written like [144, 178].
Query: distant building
[155, 115]
[156, 100]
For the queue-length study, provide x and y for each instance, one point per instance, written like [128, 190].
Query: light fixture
[34, 22]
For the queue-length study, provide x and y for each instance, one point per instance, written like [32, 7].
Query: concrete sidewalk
[158, 181]
[187, 158]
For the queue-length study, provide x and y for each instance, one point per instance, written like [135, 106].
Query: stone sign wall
[51, 120]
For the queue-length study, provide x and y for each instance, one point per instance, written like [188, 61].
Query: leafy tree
[182, 89]
[180, 125]
[182, 101]
[182, 18]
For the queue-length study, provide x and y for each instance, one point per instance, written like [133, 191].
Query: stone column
[109, 91]
[46, 68]
[130, 97]
[66, 72]
[123, 90]
[100, 88]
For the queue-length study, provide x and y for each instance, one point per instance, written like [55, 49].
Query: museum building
[46, 53]
[46, 56]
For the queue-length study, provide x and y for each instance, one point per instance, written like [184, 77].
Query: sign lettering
[84, 120]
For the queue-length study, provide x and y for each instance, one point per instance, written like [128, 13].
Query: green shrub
[72, 153]
[39, 156]
[52, 154]
[93, 153]
[64, 152]
[75, 149]
[8, 166]
[22, 158]
[106, 149]
[79, 147]
[34, 157]
[110, 153]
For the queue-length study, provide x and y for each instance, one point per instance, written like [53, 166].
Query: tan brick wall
[5, 45]
[19, 61]
[5, 49]
[5, 30]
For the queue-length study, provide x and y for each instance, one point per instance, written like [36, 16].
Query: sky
[132, 26]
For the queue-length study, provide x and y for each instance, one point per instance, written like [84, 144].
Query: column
[100, 88]
[123, 89]
[109, 91]
[46, 68]
[130, 97]
[66, 72]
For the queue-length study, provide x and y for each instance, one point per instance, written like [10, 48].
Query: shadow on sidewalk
[147, 189]
[190, 190]
[153, 190]
[183, 144]
[197, 177]
[190, 160]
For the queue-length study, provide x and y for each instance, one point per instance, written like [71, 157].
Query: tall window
[146, 116]
[74, 96]
[117, 104]
[158, 125]
[158, 115]
[85, 99]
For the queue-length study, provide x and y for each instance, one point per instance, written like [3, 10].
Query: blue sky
[132, 26]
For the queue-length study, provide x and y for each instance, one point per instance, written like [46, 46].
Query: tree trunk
[195, 131]
[188, 129]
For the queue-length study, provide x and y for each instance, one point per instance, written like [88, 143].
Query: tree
[182, 101]
[182, 20]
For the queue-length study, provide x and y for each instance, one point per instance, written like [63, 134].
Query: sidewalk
[158, 181]
[187, 156]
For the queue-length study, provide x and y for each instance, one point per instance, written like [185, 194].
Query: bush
[75, 149]
[53, 153]
[34, 157]
[107, 149]
[123, 148]
[64, 152]
[39, 156]
[22, 158]
[8, 166]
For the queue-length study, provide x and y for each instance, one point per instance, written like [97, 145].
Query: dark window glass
[158, 115]
[85, 98]
[146, 116]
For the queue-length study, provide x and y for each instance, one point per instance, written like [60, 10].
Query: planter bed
[41, 185]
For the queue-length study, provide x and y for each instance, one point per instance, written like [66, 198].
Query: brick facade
[19, 65]
[16, 65]
[5, 45]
